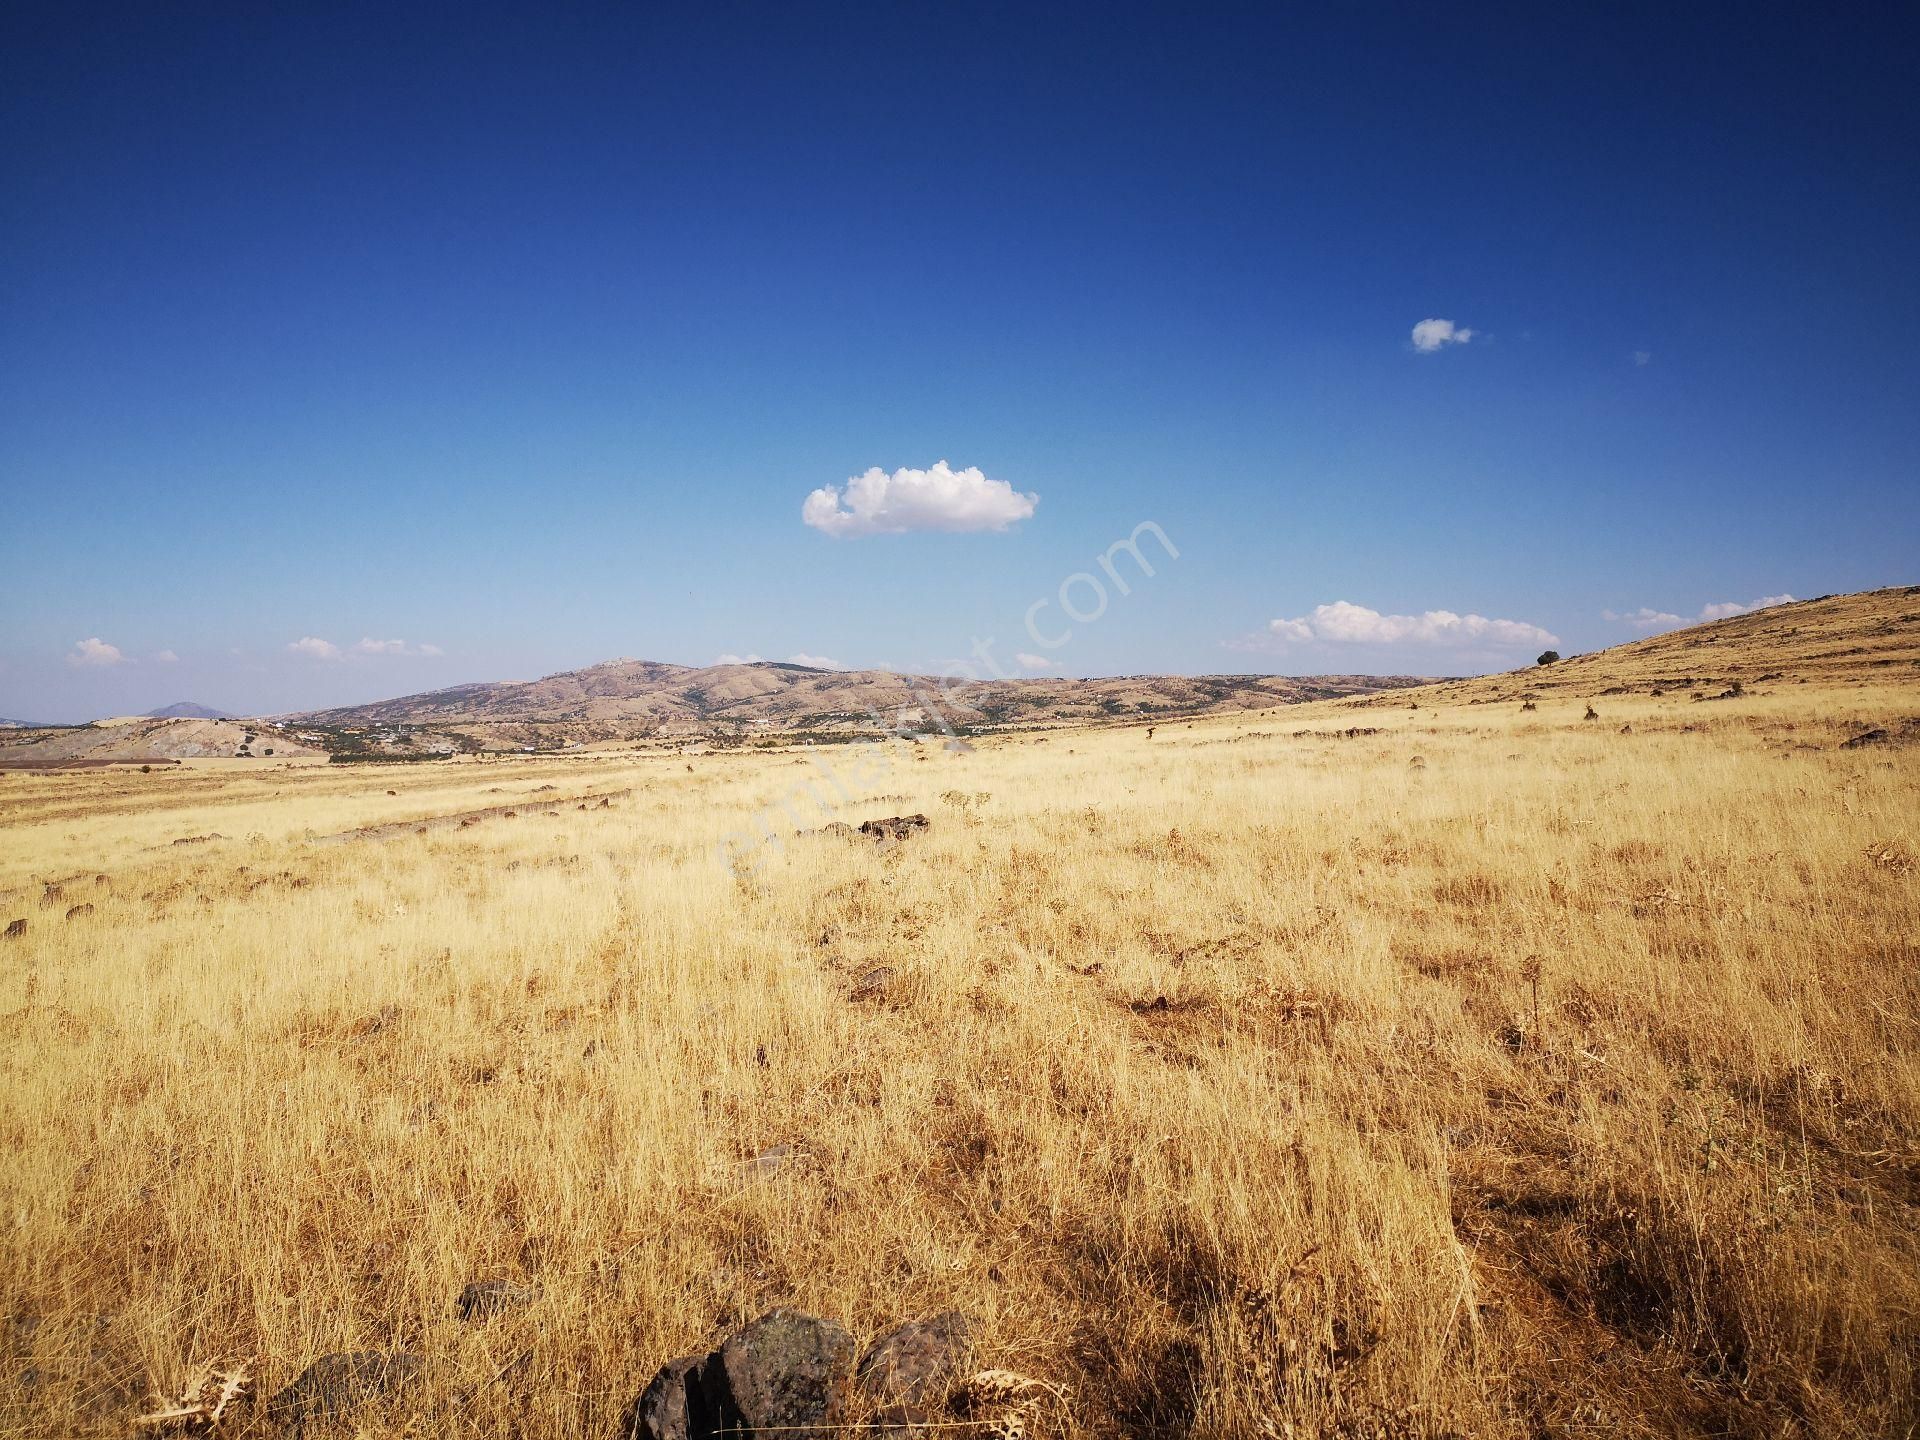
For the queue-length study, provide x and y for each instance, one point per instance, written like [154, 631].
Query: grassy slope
[1496, 1073]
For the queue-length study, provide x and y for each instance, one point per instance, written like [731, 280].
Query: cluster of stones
[795, 1375]
[787, 1374]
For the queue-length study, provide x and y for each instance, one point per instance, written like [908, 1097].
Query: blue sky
[521, 339]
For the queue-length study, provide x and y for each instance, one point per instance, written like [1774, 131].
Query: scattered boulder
[74, 912]
[894, 827]
[661, 1411]
[1871, 737]
[910, 1370]
[484, 1298]
[17, 928]
[334, 1386]
[786, 1373]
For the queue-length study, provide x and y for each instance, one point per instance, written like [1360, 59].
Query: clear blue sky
[524, 335]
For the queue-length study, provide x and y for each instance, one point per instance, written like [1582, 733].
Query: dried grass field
[1497, 1073]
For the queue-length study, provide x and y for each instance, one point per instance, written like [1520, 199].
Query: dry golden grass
[1496, 1074]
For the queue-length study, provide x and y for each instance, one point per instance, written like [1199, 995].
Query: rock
[786, 1371]
[17, 928]
[74, 912]
[909, 1370]
[894, 827]
[873, 983]
[661, 1411]
[492, 1297]
[334, 1386]
[1871, 737]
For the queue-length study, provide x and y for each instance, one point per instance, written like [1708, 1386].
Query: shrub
[1548, 657]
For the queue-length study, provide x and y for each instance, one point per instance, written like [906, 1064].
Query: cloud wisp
[1344, 623]
[942, 498]
[1648, 619]
[1432, 335]
[370, 646]
[315, 648]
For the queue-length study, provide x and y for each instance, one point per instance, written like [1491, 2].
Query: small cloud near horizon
[1034, 662]
[941, 499]
[95, 651]
[818, 662]
[1432, 335]
[1649, 619]
[167, 657]
[731, 659]
[1344, 623]
[314, 648]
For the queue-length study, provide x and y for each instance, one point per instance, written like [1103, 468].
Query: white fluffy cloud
[818, 662]
[167, 657]
[1034, 662]
[95, 651]
[314, 648]
[1647, 618]
[732, 659]
[942, 498]
[1344, 623]
[1431, 335]
[369, 646]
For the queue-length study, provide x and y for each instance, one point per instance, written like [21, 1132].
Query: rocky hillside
[638, 693]
[143, 740]
[1869, 638]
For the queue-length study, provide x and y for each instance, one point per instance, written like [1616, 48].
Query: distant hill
[187, 710]
[1872, 637]
[631, 695]
[137, 739]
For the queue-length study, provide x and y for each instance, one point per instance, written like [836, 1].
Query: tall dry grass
[1558, 1082]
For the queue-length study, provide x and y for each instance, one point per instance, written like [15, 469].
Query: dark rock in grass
[17, 928]
[1871, 737]
[334, 1386]
[661, 1411]
[484, 1298]
[909, 1370]
[786, 1372]
[894, 827]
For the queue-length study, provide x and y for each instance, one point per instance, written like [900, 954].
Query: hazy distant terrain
[635, 694]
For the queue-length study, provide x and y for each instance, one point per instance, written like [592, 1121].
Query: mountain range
[644, 696]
